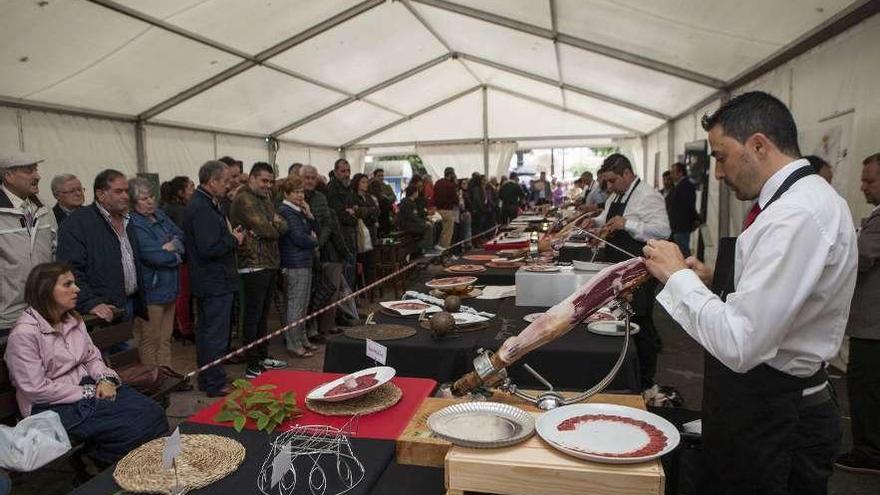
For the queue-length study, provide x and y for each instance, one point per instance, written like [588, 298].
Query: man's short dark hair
[616, 163]
[339, 162]
[754, 112]
[817, 162]
[681, 167]
[293, 166]
[104, 178]
[667, 174]
[261, 167]
[376, 172]
[447, 171]
[513, 176]
[875, 158]
[210, 170]
[232, 162]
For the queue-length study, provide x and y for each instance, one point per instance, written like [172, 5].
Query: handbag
[146, 378]
[364, 242]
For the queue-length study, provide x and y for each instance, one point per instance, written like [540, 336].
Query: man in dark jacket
[210, 247]
[341, 200]
[511, 195]
[100, 243]
[681, 207]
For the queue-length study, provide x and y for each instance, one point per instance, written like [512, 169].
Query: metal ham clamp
[611, 285]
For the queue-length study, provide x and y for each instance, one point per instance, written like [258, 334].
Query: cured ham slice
[612, 281]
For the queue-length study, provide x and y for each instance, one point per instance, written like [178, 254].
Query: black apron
[621, 238]
[748, 418]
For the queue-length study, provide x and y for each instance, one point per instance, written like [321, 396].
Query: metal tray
[482, 425]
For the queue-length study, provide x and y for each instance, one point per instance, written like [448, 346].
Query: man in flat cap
[28, 232]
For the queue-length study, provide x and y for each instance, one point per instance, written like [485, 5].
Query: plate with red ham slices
[608, 433]
[352, 385]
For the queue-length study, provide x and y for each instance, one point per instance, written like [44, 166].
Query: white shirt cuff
[634, 228]
[679, 285]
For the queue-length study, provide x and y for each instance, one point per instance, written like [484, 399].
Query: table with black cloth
[492, 276]
[375, 455]
[576, 361]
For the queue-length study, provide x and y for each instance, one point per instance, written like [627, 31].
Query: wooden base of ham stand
[529, 468]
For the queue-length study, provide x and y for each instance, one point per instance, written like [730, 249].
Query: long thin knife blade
[624, 251]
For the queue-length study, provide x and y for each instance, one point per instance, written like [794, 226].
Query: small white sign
[281, 464]
[172, 449]
[377, 351]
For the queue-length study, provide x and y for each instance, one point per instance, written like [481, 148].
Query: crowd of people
[225, 247]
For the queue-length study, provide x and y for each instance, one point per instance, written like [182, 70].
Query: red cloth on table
[182, 312]
[492, 246]
[383, 425]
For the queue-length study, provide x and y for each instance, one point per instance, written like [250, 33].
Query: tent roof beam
[574, 41]
[363, 94]
[562, 85]
[411, 116]
[519, 139]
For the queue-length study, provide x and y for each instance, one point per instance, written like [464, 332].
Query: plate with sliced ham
[451, 283]
[608, 433]
[465, 268]
[478, 257]
[352, 385]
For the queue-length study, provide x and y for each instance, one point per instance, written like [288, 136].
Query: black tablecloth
[375, 455]
[576, 361]
[401, 479]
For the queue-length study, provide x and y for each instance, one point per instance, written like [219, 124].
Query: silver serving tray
[482, 424]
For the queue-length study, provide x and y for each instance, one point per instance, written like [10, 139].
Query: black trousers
[863, 385]
[648, 343]
[257, 288]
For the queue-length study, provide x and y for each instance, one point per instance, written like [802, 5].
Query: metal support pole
[140, 143]
[485, 130]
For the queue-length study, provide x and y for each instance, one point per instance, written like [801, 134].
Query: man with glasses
[69, 194]
[28, 232]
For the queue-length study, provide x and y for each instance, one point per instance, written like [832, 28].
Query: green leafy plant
[258, 403]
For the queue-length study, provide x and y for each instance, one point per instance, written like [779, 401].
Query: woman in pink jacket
[54, 365]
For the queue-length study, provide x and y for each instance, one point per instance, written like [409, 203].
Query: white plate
[451, 282]
[587, 266]
[383, 375]
[429, 308]
[482, 424]
[613, 328]
[605, 440]
[541, 268]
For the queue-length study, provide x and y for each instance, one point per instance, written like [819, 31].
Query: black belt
[816, 398]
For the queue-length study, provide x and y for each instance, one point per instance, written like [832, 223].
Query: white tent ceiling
[346, 73]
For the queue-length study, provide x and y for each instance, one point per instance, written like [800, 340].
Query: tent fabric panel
[628, 82]
[717, 39]
[290, 153]
[458, 119]
[466, 158]
[510, 116]
[148, 70]
[323, 159]
[364, 51]
[257, 100]
[248, 150]
[564, 143]
[232, 22]
[609, 111]
[56, 41]
[172, 152]
[513, 82]
[426, 87]
[9, 130]
[528, 11]
[342, 125]
[500, 44]
[79, 146]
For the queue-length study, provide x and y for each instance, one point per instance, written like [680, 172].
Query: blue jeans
[111, 428]
[212, 339]
[683, 239]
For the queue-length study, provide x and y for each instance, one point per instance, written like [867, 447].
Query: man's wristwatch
[113, 380]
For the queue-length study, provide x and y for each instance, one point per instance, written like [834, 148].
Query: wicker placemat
[380, 331]
[473, 327]
[378, 400]
[204, 459]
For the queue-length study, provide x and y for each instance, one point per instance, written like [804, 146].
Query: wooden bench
[105, 335]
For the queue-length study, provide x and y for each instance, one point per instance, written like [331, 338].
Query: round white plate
[532, 317]
[587, 266]
[482, 424]
[450, 282]
[541, 268]
[613, 328]
[383, 375]
[608, 440]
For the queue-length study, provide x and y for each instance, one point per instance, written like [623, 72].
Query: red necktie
[753, 214]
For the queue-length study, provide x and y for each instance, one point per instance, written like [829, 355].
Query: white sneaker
[440, 248]
[273, 364]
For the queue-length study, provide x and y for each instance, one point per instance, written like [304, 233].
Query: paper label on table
[281, 464]
[377, 351]
[172, 449]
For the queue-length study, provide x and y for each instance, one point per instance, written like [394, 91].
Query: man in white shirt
[634, 214]
[770, 423]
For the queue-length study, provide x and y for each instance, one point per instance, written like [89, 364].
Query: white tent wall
[172, 151]
[76, 145]
[632, 148]
[248, 150]
[466, 158]
[9, 140]
[290, 153]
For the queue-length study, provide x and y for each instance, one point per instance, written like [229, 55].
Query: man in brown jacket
[863, 328]
[258, 260]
